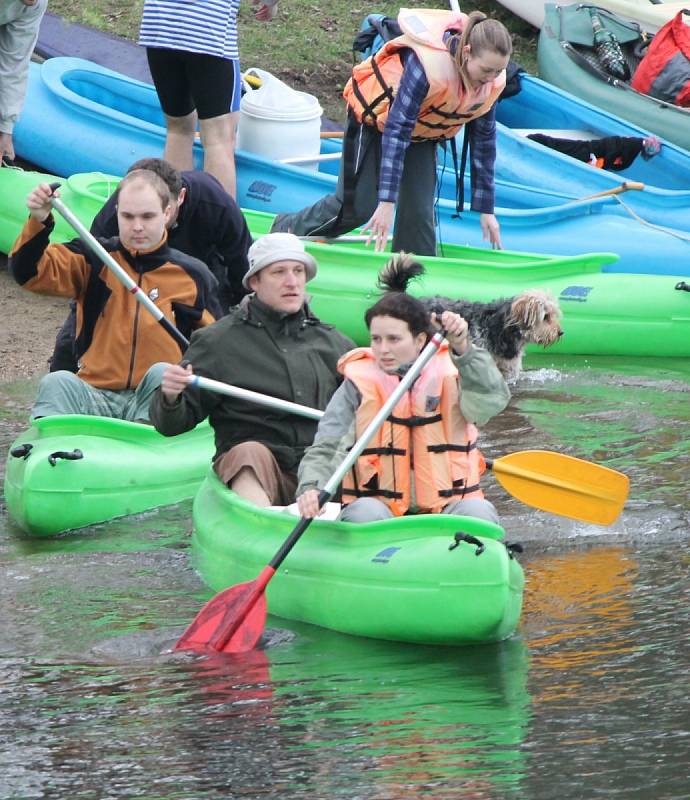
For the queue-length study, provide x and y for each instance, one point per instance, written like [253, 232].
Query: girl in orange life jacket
[445, 71]
[425, 456]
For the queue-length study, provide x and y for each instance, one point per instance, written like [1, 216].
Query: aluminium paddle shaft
[255, 397]
[139, 295]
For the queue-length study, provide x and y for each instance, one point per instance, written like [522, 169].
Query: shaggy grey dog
[504, 327]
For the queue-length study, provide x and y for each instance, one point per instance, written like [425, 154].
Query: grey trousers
[369, 509]
[64, 392]
[414, 228]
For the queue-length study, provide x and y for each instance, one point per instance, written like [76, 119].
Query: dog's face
[538, 316]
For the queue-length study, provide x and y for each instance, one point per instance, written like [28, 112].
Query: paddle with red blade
[233, 620]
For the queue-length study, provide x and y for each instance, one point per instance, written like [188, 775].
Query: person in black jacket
[206, 224]
[270, 343]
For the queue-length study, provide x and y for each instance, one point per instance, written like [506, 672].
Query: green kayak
[71, 471]
[652, 320]
[395, 580]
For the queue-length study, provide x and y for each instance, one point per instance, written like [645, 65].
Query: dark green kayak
[567, 58]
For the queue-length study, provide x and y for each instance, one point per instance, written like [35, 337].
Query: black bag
[376, 30]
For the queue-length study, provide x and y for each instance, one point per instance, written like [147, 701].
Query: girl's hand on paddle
[456, 328]
[175, 380]
[308, 504]
[379, 225]
[491, 230]
[265, 11]
[38, 202]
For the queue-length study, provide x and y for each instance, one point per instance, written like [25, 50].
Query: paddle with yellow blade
[561, 484]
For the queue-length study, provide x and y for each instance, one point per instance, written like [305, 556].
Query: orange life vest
[447, 106]
[426, 434]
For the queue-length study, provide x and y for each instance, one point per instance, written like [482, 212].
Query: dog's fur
[503, 327]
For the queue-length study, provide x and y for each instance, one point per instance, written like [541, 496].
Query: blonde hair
[481, 34]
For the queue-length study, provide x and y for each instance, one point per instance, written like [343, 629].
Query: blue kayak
[530, 175]
[83, 117]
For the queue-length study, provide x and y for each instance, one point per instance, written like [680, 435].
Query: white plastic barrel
[279, 122]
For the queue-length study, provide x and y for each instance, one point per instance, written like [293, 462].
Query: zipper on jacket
[134, 335]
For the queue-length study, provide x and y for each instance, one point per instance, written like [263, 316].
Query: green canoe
[71, 471]
[395, 580]
[603, 313]
[567, 59]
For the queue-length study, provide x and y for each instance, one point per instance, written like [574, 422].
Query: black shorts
[188, 81]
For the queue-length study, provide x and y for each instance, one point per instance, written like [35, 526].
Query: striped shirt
[196, 26]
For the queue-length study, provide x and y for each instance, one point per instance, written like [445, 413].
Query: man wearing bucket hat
[272, 344]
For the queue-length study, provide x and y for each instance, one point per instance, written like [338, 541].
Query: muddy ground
[29, 325]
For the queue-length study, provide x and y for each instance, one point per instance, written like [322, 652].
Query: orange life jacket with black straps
[448, 105]
[426, 435]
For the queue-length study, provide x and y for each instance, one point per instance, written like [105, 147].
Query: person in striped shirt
[194, 61]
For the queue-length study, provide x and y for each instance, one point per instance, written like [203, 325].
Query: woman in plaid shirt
[446, 71]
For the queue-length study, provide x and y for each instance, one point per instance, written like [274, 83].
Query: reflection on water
[588, 700]
[578, 612]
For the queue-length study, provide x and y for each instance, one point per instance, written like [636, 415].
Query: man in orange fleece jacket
[121, 349]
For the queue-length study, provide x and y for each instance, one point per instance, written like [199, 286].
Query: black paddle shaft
[348, 462]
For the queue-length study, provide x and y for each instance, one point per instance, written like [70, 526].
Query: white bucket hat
[274, 247]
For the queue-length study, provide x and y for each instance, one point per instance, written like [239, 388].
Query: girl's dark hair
[393, 279]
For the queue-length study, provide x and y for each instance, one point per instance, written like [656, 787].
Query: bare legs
[217, 138]
[247, 486]
[179, 141]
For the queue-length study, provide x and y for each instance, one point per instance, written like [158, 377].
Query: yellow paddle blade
[563, 485]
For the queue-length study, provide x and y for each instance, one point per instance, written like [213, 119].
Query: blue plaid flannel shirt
[397, 133]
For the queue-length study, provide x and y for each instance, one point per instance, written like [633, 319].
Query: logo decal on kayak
[577, 294]
[154, 294]
[260, 190]
[385, 555]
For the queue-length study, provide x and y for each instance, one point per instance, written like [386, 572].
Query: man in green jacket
[271, 343]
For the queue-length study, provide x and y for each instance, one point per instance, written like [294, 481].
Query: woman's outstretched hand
[379, 226]
[491, 230]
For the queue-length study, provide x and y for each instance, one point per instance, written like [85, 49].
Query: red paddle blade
[231, 622]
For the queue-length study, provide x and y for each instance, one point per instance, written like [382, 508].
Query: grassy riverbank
[308, 44]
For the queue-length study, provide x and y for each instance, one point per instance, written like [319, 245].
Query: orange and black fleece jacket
[117, 339]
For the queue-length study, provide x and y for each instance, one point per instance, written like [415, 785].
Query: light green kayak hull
[124, 468]
[394, 580]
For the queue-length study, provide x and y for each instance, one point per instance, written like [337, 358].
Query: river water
[588, 700]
